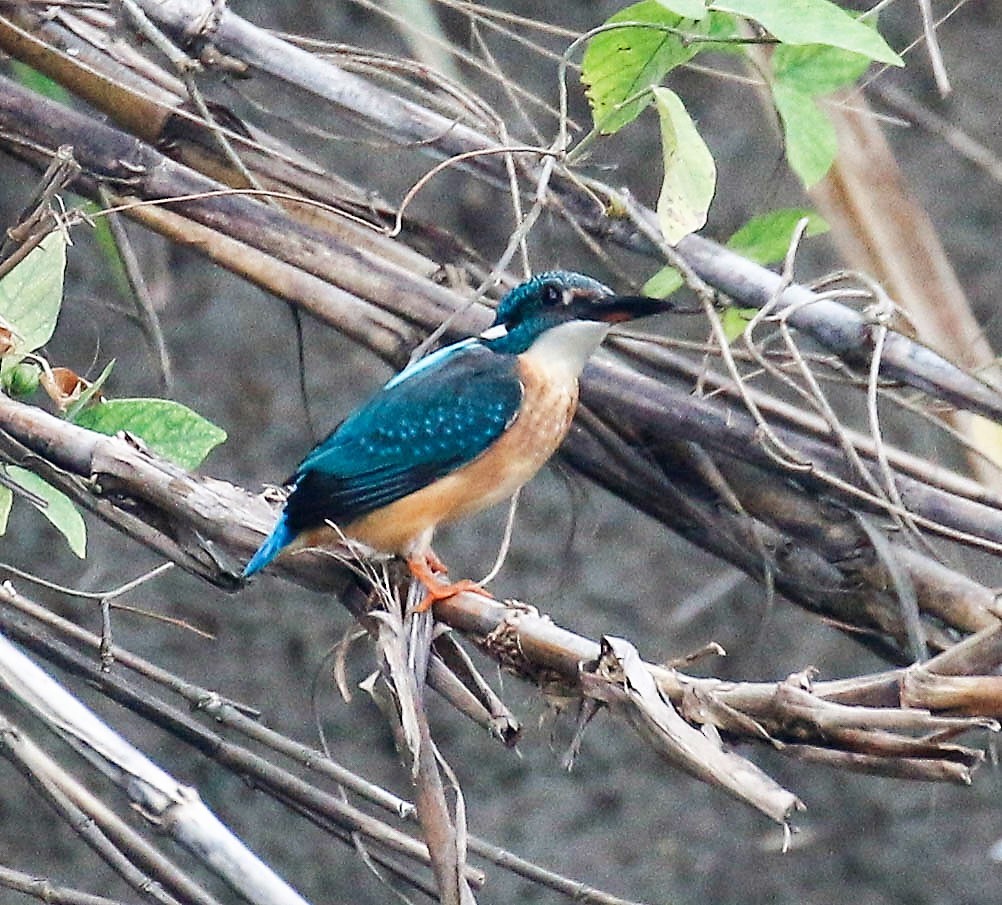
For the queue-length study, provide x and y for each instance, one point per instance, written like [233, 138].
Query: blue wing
[427, 421]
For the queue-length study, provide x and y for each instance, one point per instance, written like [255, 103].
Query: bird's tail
[281, 535]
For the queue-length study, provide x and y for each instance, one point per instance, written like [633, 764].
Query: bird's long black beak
[614, 309]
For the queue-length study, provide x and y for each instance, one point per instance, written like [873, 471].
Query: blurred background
[621, 820]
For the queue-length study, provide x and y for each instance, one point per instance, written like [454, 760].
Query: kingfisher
[455, 432]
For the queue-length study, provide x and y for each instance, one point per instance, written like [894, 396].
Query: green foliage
[764, 239]
[30, 297]
[723, 35]
[800, 74]
[811, 143]
[168, 428]
[735, 321]
[110, 251]
[666, 281]
[622, 64]
[39, 83]
[813, 22]
[22, 379]
[6, 502]
[74, 409]
[58, 508]
[689, 9]
[817, 69]
[821, 48]
[690, 173]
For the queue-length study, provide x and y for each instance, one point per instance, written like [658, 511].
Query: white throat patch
[568, 346]
[495, 332]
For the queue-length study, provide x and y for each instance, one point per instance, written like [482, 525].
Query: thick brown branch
[652, 413]
[532, 647]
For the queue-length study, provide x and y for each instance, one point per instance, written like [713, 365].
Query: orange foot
[426, 568]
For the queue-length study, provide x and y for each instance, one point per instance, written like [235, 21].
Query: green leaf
[726, 34]
[87, 395]
[39, 83]
[813, 22]
[31, 295]
[765, 239]
[622, 63]
[689, 9]
[666, 281]
[690, 173]
[800, 74]
[110, 251]
[60, 509]
[167, 427]
[734, 321]
[811, 144]
[816, 69]
[6, 501]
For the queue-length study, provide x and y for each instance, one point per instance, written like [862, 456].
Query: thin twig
[146, 314]
[932, 45]
[51, 893]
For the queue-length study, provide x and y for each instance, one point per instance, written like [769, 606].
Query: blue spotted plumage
[409, 434]
[445, 414]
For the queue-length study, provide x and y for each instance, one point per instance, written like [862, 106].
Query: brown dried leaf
[64, 386]
[7, 340]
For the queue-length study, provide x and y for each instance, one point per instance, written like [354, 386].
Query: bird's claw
[445, 590]
[435, 564]
[425, 569]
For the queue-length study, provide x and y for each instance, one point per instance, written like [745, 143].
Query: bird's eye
[552, 294]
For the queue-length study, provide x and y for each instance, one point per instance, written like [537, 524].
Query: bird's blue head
[556, 297]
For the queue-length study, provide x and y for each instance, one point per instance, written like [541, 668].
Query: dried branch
[404, 642]
[391, 347]
[621, 680]
[235, 716]
[793, 711]
[124, 850]
[836, 327]
[151, 486]
[521, 651]
[172, 807]
[801, 522]
[645, 408]
[342, 819]
[48, 892]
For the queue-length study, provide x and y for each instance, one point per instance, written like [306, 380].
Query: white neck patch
[495, 332]
[568, 346]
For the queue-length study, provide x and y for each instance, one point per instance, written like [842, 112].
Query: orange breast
[550, 396]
